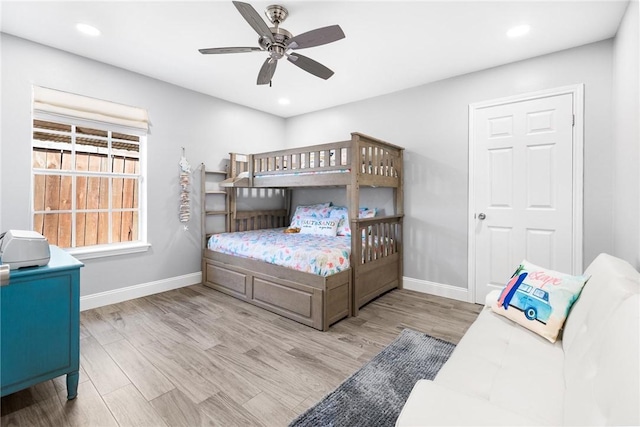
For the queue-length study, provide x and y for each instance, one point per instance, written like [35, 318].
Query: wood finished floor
[194, 356]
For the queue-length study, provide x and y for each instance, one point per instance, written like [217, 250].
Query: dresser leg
[72, 385]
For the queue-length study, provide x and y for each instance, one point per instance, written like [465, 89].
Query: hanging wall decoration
[185, 178]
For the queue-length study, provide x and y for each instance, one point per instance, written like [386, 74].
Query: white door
[522, 180]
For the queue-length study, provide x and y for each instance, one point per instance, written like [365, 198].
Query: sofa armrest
[432, 404]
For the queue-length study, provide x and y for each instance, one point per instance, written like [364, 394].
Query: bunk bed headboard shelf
[376, 243]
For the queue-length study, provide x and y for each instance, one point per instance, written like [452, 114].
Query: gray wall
[207, 127]
[626, 138]
[431, 122]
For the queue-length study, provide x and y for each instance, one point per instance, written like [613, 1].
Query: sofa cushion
[539, 299]
[597, 296]
[606, 388]
[601, 344]
[432, 404]
[502, 363]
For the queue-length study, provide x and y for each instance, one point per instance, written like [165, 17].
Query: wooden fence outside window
[58, 183]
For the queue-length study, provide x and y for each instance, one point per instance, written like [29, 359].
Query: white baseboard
[88, 302]
[433, 288]
[101, 299]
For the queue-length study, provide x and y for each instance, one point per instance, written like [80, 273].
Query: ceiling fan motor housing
[278, 48]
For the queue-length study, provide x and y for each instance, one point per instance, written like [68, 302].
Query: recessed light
[87, 29]
[518, 31]
[284, 101]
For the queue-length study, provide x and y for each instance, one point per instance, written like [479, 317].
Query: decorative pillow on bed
[323, 227]
[539, 299]
[342, 215]
[367, 213]
[317, 211]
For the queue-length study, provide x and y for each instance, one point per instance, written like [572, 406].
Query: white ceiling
[389, 45]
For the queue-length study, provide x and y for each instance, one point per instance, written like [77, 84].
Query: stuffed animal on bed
[292, 230]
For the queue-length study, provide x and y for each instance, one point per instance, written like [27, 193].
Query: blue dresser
[40, 324]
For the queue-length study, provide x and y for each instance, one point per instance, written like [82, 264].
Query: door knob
[481, 216]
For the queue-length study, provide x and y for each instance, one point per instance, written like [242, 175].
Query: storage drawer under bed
[313, 300]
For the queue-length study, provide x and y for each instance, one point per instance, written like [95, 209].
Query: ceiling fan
[279, 42]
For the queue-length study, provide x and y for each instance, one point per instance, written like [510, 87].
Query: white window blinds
[91, 110]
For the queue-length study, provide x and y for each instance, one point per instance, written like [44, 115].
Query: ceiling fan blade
[251, 16]
[310, 66]
[317, 37]
[229, 50]
[266, 72]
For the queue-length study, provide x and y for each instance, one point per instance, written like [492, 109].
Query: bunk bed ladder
[210, 194]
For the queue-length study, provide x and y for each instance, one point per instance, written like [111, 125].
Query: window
[543, 295]
[88, 187]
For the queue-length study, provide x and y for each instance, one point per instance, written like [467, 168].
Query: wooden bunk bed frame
[376, 261]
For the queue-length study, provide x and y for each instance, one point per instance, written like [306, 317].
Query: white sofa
[503, 374]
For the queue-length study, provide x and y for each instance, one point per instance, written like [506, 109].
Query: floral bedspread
[321, 255]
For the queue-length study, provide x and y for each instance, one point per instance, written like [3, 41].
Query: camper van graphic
[533, 302]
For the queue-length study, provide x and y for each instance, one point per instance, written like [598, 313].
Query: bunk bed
[375, 244]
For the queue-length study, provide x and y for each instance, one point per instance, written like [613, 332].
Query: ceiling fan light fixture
[518, 31]
[284, 101]
[88, 30]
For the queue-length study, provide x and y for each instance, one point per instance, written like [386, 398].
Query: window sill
[103, 251]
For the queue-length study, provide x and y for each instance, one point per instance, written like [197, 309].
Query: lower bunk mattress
[304, 277]
[309, 253]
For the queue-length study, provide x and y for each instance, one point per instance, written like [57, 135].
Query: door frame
[577, 173]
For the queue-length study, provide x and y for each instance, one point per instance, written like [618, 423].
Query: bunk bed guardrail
[379, 163]
[259, 220]
[376, 258]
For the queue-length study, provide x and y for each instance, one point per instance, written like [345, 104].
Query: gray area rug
[375, 394]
